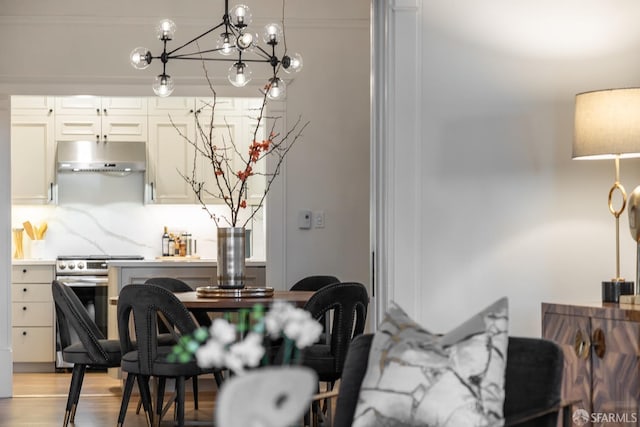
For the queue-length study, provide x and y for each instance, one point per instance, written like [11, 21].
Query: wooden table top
[191, 300]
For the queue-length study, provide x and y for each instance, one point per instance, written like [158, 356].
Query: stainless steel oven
[87, 276]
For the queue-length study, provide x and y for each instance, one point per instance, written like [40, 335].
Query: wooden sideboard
[601, 345]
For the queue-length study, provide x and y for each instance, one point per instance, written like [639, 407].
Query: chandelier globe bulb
[239, 74]
[292, 63]
[163, 85]
[140, 58]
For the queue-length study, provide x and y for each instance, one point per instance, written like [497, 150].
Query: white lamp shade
[607, 124]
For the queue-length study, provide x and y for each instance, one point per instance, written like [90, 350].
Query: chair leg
[74, 393]
[162, 381]
[217, 375]
[194, 379]
[145, 395]
[126, 395]
[180, 400]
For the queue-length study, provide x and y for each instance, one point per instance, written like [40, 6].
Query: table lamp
[607, 126]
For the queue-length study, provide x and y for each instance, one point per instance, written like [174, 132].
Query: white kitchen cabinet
[168, 153]
[32, 318]
[102, 119]
[171, 119]
[33, 149]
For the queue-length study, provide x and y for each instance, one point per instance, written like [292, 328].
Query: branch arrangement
[221, 153]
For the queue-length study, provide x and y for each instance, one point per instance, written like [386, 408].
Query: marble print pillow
[417, 378]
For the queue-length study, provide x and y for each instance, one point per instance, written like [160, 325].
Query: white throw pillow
[417, 378]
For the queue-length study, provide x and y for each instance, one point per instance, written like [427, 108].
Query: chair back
[146, 303]
[348, 304]
[72, 315]
[177, 286]
[313, 283]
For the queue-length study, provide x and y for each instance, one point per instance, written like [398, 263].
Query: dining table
[193, 301]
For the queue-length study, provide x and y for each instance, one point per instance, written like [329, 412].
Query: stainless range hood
[98, 156]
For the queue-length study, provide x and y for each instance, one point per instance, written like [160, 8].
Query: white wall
[503, 208]
[76, 47]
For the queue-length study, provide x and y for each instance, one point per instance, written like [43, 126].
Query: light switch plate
[304, 220]
[318, 219]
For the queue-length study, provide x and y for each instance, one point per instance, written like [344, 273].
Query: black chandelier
[235, 38]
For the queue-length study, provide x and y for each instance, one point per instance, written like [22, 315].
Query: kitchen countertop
[28, 261]
[180, 262]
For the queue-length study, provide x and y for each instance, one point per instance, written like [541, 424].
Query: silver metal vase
[231, 255]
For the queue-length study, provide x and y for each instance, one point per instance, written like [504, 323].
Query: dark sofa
[532, 386]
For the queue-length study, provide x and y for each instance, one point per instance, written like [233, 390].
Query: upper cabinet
[175, 121]
[102, 119]
[33, 149]
[165, 124]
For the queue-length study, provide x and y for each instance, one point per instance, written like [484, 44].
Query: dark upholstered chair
[313, 283]
[532, 386]
[146, 358]
[203, 319]
[93, 350]
[346, 305]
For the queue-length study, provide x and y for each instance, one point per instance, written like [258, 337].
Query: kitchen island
[195, 272]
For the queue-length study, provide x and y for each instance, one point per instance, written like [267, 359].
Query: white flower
[211, 354]
[276, 318]
[295, 323]
[247, 352]
[307, 333]
[222, 331]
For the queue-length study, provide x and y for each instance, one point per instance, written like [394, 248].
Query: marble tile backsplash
[101, 215]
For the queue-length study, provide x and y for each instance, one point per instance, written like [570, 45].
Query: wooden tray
[246, 292]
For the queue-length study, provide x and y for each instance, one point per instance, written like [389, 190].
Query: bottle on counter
[183, 245]
[165, 242]
[172, 246]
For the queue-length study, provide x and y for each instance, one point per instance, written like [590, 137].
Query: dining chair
[92, 351]
[313, 283]
[346, 305]
[146, 358]
[201, 317]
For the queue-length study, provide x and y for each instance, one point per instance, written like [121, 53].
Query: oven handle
[86, 282]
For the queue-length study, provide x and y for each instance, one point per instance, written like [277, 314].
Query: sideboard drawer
[33, 344]
[32, 314]
[32, 273]
[31, 292]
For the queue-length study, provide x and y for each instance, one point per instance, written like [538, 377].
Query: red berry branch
[220, 154]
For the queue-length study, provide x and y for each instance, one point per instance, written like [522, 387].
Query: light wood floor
[39, 400]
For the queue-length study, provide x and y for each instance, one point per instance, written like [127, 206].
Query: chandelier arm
[197, 38]
[219, 59]
[266, 54]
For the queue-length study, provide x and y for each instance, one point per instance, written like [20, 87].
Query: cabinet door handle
[24, 271]
[24, 333]
[581, 345]
[104, 137]
[97, 111]
[51, 192]
[50, 110]
[24, 289]
[105, 111]
[153, 192]
[599, 344]
[97, 138]
[24, 308]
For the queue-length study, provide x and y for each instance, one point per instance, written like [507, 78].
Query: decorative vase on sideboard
[231, 256]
